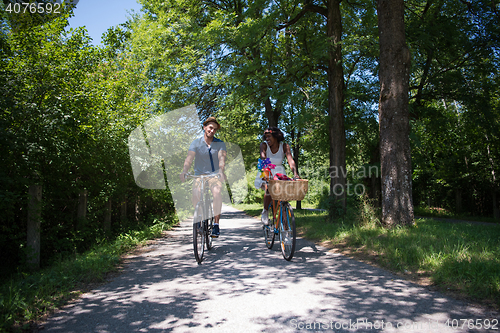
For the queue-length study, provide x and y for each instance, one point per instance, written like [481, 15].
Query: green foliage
[455, 104]
[67, 108]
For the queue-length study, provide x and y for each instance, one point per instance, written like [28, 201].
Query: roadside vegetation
[459, 258]
[26, 297]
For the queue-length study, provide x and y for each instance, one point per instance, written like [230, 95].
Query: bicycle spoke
[208, 235]
[287, 231]
[269, 229]
[198, 235]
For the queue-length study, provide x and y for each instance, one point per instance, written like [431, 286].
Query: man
[209, 155]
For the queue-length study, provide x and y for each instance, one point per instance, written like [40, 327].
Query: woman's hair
[275, 132]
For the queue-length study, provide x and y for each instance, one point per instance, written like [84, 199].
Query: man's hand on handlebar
[182, 176]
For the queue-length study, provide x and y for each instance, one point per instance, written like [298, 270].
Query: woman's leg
[267, 201]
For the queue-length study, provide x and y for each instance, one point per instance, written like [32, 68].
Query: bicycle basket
[288, 190]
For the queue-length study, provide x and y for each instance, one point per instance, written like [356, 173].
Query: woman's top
[276, 159]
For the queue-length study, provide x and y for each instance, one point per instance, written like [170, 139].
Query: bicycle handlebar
[210, 175]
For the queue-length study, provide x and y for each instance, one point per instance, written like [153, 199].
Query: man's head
[213, 121]
[210, 126]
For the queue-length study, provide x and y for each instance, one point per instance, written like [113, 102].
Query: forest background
[68, 107]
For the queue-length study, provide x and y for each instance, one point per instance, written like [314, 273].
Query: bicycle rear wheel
[269, 229]
[209, 224]
[287, 231]
[198, 234]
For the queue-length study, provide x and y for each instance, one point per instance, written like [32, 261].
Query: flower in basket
[265, 167]
[280, 176]
[265, 164]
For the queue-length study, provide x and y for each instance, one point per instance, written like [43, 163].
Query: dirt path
[244, 287]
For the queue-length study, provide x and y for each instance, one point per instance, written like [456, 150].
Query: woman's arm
[263, 149]
[289, 158]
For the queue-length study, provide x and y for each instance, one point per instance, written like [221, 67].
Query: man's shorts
[212, 182]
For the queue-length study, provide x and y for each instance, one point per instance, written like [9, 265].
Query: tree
[397, 202]
[67, 108]
[224, 57]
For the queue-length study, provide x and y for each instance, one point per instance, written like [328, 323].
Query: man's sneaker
[215, 231]
[264, 218]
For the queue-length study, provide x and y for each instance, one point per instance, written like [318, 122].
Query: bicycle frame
[203, 219]
[283, 225]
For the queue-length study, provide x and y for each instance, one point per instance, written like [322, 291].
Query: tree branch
[308, 8]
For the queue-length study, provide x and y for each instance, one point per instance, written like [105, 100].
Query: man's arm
[222, 163]
[187, 164]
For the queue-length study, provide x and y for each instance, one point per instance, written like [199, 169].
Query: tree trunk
[496, 212]
[137, 208]
[335, 105]
[296, 152]
[34, 221]
[272, 114]
[81, 214]
[123, 210]
[107, 216]
[395, 155]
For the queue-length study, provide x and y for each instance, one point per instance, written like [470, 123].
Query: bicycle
[203, 219]
[284, 227]
[282, 192]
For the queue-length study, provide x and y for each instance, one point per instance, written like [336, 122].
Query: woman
[275, 149]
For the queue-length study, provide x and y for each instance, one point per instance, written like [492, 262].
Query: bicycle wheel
[287, 231]
[209, 224]
[198, 234]
[269, 229]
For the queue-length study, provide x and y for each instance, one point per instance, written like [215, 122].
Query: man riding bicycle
[209, 155]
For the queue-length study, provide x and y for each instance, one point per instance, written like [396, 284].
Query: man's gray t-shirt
[206, 158]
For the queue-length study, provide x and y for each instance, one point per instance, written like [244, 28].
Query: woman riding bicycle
[275, 149]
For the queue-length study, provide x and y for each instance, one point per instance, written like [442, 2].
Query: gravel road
[244, 287]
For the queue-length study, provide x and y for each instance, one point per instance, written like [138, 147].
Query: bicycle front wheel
[198, 234]
[287, 231]
[269, 229]
[209, 225]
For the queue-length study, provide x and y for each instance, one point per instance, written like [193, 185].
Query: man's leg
[195, 198]
[196, 193]
[216, 189]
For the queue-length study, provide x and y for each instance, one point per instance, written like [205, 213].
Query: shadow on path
[241, 286]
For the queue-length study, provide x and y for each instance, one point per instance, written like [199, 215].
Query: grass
[462, 258]
[26, 297]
